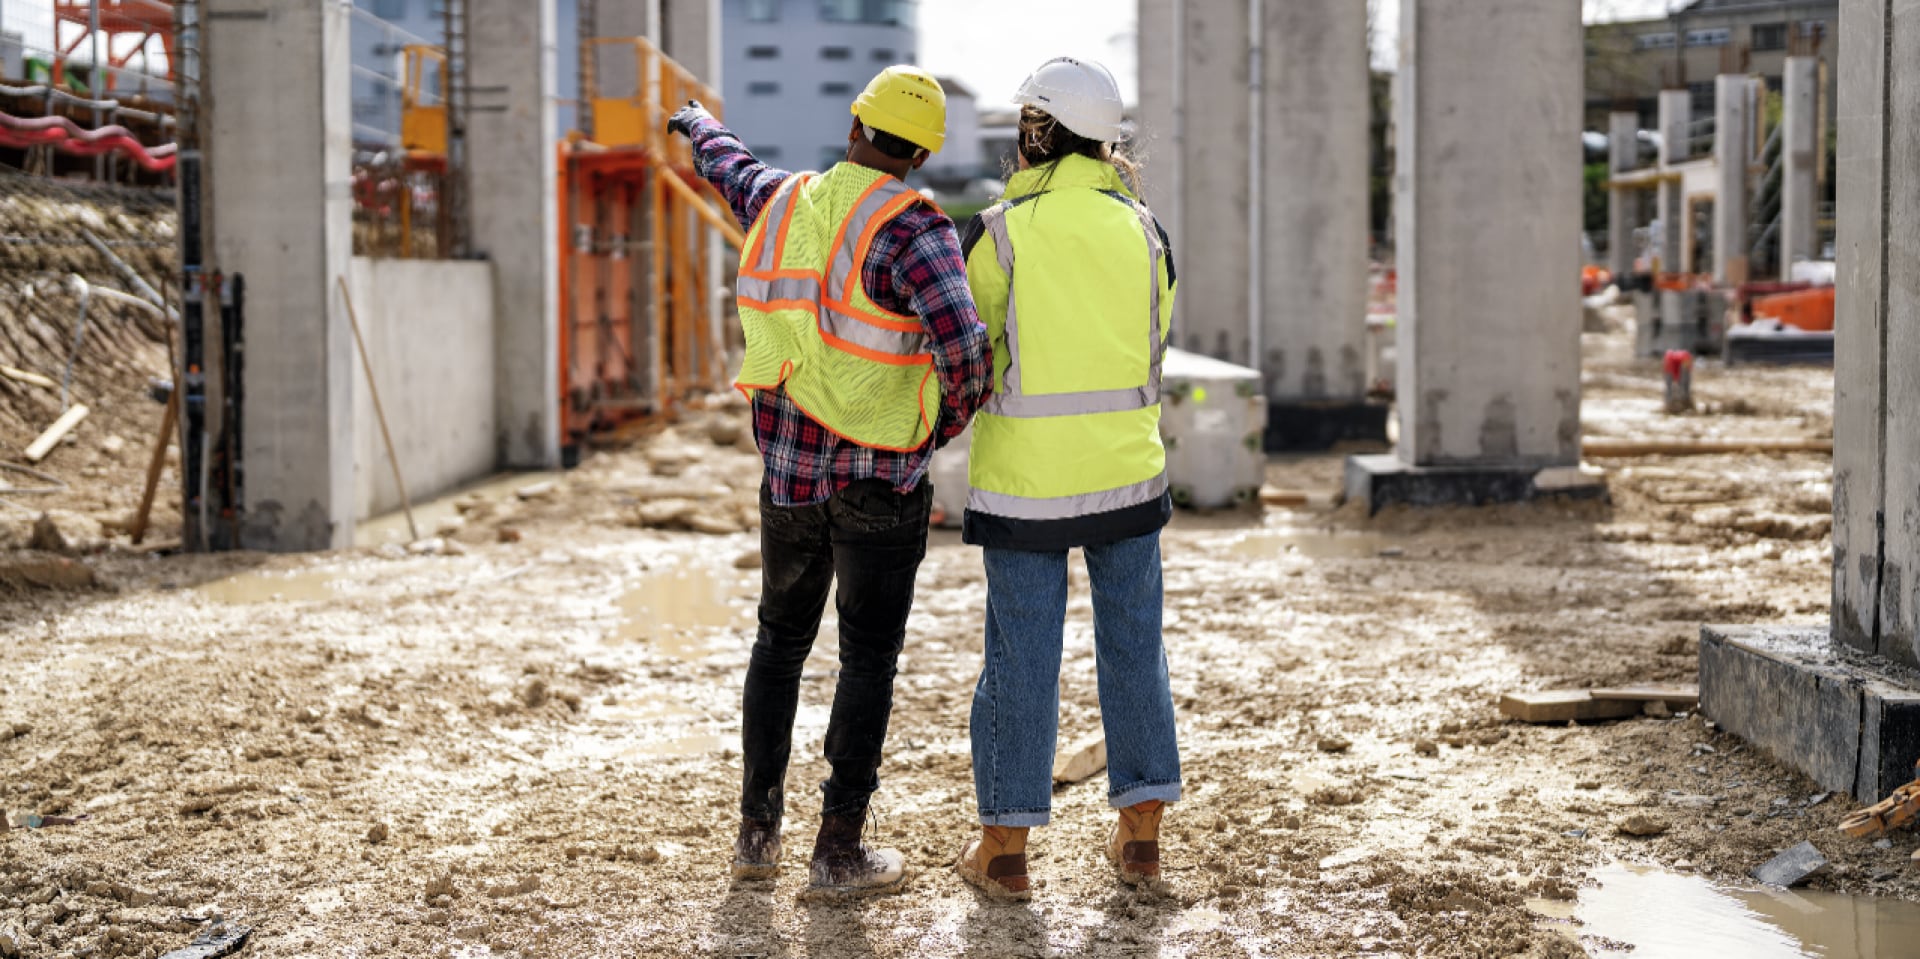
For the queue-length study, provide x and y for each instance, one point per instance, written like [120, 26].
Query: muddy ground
[525, 742]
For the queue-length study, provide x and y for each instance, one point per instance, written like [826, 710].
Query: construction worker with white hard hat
[1075, 281]
[863, 354]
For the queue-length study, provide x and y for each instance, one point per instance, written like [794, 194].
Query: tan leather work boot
[1134, 844]
[756, 853]
[843, 866]
[997, 862]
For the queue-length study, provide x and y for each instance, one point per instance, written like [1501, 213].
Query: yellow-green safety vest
[861, 371]
[1078, 306]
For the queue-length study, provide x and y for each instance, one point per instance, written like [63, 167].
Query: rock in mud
[1641, 824]
[1335, 744]
[441, 885]
[1427, 747]
[535, 694]
[378, 834]
[713, 524]
[1792, 867]
[47, 536]
[667, 513]
[45, 571]
[750, 559]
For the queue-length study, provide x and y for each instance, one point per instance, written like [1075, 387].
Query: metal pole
[98, 88]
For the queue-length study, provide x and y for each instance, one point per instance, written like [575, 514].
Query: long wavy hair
[1043, 140]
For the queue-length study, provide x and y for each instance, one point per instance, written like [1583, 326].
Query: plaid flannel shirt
[914, 268]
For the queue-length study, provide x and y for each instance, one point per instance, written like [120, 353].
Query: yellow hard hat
[908, 103]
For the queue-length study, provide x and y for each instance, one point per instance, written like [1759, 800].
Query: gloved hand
[683, 119]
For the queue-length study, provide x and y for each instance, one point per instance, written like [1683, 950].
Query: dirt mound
[47, 267]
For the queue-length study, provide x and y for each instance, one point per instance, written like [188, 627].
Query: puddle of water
[269, 587]
[1650, 913]
[1311, 545]
[670, 609]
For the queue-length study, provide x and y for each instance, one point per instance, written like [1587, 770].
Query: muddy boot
[997, 862]
[756, 854]
[843, 866]
[1134, 844]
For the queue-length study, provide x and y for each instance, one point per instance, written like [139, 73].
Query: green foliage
[1596, 197]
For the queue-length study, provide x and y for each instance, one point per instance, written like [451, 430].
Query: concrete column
[1800, 154]
[1314, 212]
[512, 176]
[1876, 461]
[279, 158]
[1676, 118]
[1213, 264]
[1733, 147]
[1489, 329]
[1623, 155]
[1156, 142]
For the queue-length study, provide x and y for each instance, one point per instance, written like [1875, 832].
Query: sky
[991, 45]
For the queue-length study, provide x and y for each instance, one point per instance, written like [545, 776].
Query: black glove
[683, 119]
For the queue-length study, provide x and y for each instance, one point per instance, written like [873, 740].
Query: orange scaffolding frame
[639, 334]
[145, 19]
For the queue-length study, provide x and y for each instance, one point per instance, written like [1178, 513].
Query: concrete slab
[1792, 867]
[1850, 722]
[1383, 479]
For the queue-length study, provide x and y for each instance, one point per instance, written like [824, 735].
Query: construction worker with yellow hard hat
[863, 354]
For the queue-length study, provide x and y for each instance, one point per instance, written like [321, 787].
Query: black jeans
[873, 539]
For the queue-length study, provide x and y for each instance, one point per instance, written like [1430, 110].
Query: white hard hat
[1081, 94]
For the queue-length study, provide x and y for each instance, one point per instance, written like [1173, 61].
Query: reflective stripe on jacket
[1075, 282]
[859, 370]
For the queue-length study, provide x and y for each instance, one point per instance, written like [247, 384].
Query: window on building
[1653, 41]
[836, 53]
[1701, 96]
[390, 9]
[896, 13]
[1712, 37]
[763, 88]
[836, 89]
[1769, 36]
[883, 55]
[763, 10]
[766, 152]
[763, 53]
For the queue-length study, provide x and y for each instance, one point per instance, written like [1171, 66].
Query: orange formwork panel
[638, 334]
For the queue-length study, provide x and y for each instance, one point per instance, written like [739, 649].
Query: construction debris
[219, 940]
[39, 448]
[1791, 868]
[31, 379]
[1563, 705]
[1080, 762]
[1674, 695]
[1898, 809]
[1641, 824]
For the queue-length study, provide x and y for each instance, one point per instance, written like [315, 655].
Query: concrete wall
[429, 330]
[512, 176]
[1876, 530]
[1488, 207]
[278, 194]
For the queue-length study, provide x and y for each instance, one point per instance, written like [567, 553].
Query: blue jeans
[1016, 706]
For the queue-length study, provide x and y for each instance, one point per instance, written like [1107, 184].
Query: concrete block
[1212, 418]
[1489, 329]
[1384, 479]
[1849, 722]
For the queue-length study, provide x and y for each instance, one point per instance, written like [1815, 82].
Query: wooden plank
[1561, 705]
[1675, 695]
[39, 449]
[31, 379]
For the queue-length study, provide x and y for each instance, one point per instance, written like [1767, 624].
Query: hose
[158, 159]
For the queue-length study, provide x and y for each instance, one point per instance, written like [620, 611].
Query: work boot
[756, 854]
[997, 862]
[842, 865]
[1134, 844]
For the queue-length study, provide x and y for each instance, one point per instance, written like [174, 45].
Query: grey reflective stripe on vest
[771, 219]
[789, 288]
[1011, 401]
[859, 332]
[1066, 507]
[842, 268]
